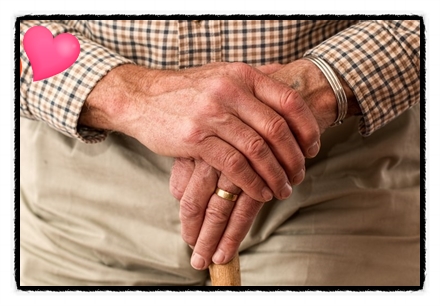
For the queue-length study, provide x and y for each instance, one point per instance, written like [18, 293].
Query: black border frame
[17, 44]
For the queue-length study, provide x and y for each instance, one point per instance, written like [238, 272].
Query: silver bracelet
[333, 80]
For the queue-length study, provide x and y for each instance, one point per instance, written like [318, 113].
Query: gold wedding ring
[226, 195]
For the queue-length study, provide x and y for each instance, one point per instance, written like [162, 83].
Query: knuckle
[246, 216]
[193, 133]
[253, 183]
[212, 105]
[215, 102]
[234, 161]
[244, 71]
[220, 85]
[291, 100]
[216, 215]
[241, 67]
[204, 171]
[292, 103]
[257, 148]
[189, 210]
[277, 128]
[222, 120]
[301, 108]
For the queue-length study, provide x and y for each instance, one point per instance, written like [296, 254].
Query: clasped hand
[229, 126]
[280, 132]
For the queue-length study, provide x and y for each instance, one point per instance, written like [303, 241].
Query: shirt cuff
[58, 100]
[379, 61]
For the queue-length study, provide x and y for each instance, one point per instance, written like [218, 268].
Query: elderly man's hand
[210, 223]
[232, 116]
[214, 226]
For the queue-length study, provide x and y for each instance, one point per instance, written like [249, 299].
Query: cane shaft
[227, 274]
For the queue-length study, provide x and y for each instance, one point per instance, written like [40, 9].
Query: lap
[102, 214]
[355, 219]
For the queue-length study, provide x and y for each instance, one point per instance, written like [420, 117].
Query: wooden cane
[227, 274]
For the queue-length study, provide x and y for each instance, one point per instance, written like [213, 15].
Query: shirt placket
[199, 42]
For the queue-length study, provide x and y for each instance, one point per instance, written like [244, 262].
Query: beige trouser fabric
[102, 214]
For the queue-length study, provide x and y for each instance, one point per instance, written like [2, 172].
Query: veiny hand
[214, 226]
[231, 116]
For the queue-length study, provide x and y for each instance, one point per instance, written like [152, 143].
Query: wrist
[306, 78]
[110, 103]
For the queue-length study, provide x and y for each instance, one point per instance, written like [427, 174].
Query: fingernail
[313, 150]
[299, 177]
[267, 194]
[197, 261]
[219, 257]
[286, 191]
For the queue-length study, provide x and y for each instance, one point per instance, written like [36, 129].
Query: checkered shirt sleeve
[380, 61]
[58, 100]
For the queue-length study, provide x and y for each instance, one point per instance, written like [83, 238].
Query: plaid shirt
[379, 59]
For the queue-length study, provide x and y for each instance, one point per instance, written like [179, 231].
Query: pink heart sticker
[49, 56]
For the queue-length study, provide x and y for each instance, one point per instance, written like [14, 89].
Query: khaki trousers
[102, 214]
